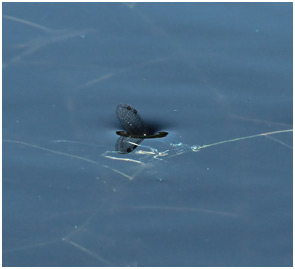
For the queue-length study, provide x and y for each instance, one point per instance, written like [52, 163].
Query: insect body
[131, 120]
[135, 129]
[133, 123]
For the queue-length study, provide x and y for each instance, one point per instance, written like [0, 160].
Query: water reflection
[126, 143]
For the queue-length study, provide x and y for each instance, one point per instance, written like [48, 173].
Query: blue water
[204, 73]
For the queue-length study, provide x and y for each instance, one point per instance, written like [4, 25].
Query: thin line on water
[243, 138]
[42, 244]
[29, 23]
[89, 252]
[50, 150]
[123, 159]
[279, 141]
[119, 172]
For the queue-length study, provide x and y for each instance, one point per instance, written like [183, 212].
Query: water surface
[205, 73]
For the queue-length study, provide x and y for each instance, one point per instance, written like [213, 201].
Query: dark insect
[136, 130]
[131, 120]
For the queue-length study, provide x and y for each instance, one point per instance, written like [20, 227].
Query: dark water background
[202, 72]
